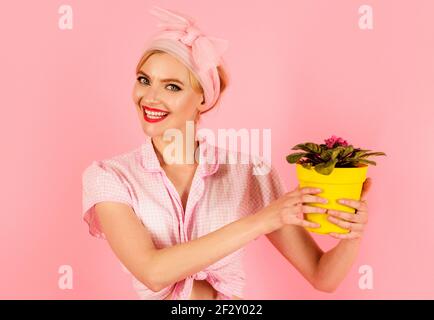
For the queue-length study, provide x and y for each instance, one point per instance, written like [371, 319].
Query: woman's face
[174, 96]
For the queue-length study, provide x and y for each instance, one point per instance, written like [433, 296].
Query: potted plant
[338, 169]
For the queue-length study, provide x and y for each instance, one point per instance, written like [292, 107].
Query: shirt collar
[205, 167]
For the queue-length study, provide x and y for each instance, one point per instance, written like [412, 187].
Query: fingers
[301, 197]
[357, 218]
[304, 190]
[307, 190]
[350, 235]
[313, 199]
[351, 226]
[306, 224]
[306, 193]
[297, 218]
[312, 209]
[297, 198]
[356, 204]
[366, 186]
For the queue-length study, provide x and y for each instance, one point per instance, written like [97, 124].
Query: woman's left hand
[354, 222]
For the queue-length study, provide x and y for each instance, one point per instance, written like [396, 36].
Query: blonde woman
[180, 228]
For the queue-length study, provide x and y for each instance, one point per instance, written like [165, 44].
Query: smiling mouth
[154, 115]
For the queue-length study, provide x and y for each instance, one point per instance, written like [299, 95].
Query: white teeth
[155, 114]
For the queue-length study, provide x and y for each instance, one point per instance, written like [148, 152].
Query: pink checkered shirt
[221, 192]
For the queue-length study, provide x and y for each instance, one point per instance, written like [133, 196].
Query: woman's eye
[176, 88]
[140, 79]
[145, 81]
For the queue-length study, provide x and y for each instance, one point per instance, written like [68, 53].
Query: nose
[151, 96]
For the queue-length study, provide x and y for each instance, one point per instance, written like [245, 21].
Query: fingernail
[342, 201]
[324, 200]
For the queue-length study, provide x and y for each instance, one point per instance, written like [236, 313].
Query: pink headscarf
[180, 37]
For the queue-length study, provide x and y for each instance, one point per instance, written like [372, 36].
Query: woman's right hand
[290, 209]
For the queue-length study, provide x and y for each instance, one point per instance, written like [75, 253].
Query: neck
[160, 145]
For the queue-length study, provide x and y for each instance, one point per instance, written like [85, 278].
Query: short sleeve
[268, 185]
[101, 183]
[263, 187]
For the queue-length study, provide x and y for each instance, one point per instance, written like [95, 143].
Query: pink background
[302, 68]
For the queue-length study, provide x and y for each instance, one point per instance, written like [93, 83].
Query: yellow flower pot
[341, 183]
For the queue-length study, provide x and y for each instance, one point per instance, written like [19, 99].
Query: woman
[180, 228]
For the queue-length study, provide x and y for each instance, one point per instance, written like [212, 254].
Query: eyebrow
[163, 80]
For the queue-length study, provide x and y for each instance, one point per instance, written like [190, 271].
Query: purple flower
[335, 140]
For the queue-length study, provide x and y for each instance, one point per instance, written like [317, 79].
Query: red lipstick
[154, 115]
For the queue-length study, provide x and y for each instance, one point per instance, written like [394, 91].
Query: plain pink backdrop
[302, 68]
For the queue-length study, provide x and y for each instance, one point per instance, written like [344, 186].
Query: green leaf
[367, 162]
[347, 151]
[307, 165]
[355, 162]
[326, 168]
[300, 146]
[337, 151]
[358, 153]
[326, 155]
[373, 154]
[313, 147]
[293, 158]
[308, 147]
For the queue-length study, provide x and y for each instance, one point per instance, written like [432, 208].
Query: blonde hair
[223, 76]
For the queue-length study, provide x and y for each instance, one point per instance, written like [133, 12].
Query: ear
[201, 107]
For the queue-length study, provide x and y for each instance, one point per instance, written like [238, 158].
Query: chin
[152, 132]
